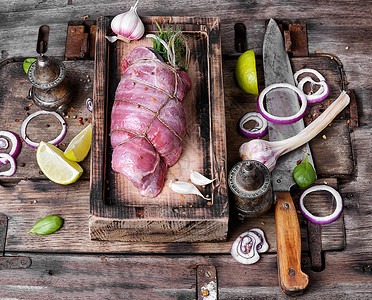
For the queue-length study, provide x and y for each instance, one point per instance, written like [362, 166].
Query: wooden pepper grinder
[50, 86]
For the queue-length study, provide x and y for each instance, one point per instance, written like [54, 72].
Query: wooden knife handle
[288, 243]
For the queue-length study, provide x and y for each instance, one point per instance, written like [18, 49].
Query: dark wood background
[75, 269]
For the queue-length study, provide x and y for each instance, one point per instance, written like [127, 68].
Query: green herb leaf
[47, 225]
[157, 25]
[304, 174]
[27, 63]
[180, 47]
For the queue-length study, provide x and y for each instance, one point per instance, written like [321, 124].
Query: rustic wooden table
[68, 265]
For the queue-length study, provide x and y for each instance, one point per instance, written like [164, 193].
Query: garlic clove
[185, 188]
[199, 179]
[128, 24]
[138, 31]
[111, 39]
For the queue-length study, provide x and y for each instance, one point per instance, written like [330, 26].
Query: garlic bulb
[128, 25]
[187, 188]
[199, 179]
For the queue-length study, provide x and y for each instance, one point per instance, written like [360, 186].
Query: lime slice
[79, 147]
[56, 166]
[246, 73]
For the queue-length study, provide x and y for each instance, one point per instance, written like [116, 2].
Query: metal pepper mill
[250, 182]
[50, 87]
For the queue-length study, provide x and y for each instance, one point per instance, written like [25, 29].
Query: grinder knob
[249, 177]
[46, 70]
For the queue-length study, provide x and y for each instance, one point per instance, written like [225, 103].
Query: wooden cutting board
[118, 211]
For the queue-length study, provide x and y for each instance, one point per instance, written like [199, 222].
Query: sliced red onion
[320, 94]
[262, 246]
[308, 70]
[321, 220]
[11, 160]
[260, 128]
[54, 142]
[282, 120]
[307, 79]
[244, 248]
[16, 145]
[89, 104]
[4, 143]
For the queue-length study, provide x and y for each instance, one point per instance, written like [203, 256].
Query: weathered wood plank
[174, 277]
[72, 204]
[338, 280]
[358, 197]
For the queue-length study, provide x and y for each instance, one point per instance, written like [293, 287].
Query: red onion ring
[54, 142]
[16, 145]
[89, 104]
[321, 220]
[260, 128]
[7, 157]
[262, 246]
[308, 70]
[4, 143]
[244, 248]
[320, 94]
[282, 120]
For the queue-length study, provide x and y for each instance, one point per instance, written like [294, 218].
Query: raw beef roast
[148, 121]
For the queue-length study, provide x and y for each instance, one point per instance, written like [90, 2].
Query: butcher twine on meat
[148, 120]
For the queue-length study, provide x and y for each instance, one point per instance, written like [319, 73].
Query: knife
[284, 102]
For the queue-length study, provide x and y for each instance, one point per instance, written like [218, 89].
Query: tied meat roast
[148, 120]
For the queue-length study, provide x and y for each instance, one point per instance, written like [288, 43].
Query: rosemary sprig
[177, 44]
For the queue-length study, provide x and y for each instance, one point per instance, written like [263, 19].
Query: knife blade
[284, 102]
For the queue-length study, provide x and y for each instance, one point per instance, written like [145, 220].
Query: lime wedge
[56, 166]
[79, 147]
[246, 73]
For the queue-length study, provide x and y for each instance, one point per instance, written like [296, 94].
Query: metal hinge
[295, 39]
[10, 262]
[80, 40]
[207, 283]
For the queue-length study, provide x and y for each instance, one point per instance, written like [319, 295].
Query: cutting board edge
[158, 230]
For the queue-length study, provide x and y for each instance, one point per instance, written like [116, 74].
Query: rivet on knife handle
[288, 242]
